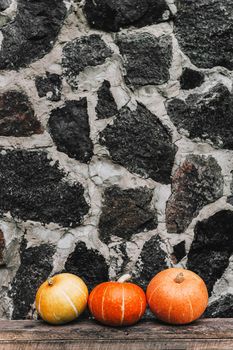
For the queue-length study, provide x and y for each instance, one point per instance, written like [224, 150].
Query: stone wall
[116, 123]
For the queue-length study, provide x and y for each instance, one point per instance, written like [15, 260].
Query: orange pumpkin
[177, 296]
[61, 298]
[117, 303]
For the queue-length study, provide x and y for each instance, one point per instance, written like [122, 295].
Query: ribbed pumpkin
[61, 298]
[118, 303]
[177, 296]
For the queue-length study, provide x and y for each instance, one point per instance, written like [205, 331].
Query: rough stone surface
[83, 52]
[207, 116]
[112, 15]
[126, 212]
[151, 261]
[4, 4]
[204, 30]
[33, 189]
[179, 252]
[222, 307]
[106, 106]
[17, 117]
[138, 141]
[49, 86]
[191, 79]
[147, 59]
[88, 264]
[197, 182]
[212, 247]
[70, 130]
[32, 33]
[2, 249]
[75, 169]
[35, 267]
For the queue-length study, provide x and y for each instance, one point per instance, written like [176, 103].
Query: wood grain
[214, 334]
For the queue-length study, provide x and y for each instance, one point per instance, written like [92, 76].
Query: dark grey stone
[70, 130]
[4, 4]
[32, 33]
[138, 141]
[49, 84]
[83, 52]
[179, 252]
[119, 258]
[207, 116]
[191, 79]
[17, 117]
[221, 308]
[196, 183]
[204, 30]
[126, 212]
[212, 247]
[2, 249]
[106, 106]
[147, 59]
[88, 264]
[111, 15]
[33, 189]
[151, 261]
[35, 267]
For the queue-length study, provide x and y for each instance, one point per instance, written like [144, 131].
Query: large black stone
[207, 116]
[70, 130]
[126, 212]
[147, 59]
[35, 267]
[196, 183]
[204, 30]
[151, 261]
[179, 252]
[212, 247]
[191, 79]
[221, 308]
[138, 141]
[106, 106]
[88, 264]
[111, 15]
[33, 189]
[83, 52]
[32, 33]
[49, 86]
[17, 117]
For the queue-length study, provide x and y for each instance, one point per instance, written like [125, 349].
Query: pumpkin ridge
[141, 309]
[156, 288]
[82, 292]
[68, 299]
[169, 311]
[191, 307]
[123, 305]
[102, 306]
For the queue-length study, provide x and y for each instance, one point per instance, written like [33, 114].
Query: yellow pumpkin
[61, 298]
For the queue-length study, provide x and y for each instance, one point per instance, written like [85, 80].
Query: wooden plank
[158, 345]
[205, 334]
[90, 330]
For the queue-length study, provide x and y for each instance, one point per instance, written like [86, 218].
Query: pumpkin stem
[124, 278]
[179, 278]
[50, 281]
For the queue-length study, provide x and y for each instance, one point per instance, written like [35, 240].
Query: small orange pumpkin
[117, 303]
[177, 296]
[61, 298]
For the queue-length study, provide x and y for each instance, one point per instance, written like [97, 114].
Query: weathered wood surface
[214, 334]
